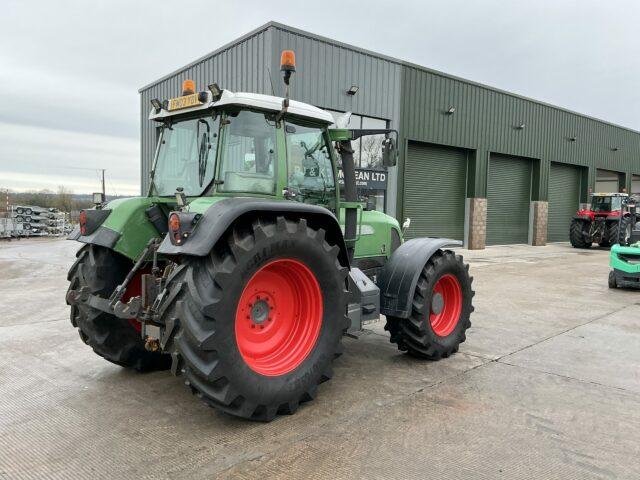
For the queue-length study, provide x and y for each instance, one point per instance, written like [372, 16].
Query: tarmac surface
[546, 386]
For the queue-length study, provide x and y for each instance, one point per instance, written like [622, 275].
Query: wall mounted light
[521, 126]
[451, 110]
[353, 90]
[614, 149]
[572, 139]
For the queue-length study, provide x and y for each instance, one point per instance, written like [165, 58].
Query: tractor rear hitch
[129, 310]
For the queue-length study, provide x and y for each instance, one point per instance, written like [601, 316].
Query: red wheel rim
[446, 305]
[278, 318]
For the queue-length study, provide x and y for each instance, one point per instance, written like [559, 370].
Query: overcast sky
[70, 71]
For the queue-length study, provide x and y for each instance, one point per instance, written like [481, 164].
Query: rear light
[181, 224]
[174, 223]
[83, 222]
[90, 220]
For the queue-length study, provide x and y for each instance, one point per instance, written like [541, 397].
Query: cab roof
[249, 100]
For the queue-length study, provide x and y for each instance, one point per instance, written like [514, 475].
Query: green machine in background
[625, 255]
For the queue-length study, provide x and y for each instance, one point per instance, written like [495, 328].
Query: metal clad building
[476, 163]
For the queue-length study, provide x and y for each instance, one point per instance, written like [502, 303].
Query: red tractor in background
[598, 224]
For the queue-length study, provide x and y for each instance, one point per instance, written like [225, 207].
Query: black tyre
[625, 229]
[579, 233]
[610, 236]
[442, 305]
[19, 210]
[27, 218]
[255, 326]
[27, 226]
[113, 338]
[612, 280]
[19, 219]
[28, 211]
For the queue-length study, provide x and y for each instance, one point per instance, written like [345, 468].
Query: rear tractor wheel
[255, 326]
[115, 339]
[579, 234]
[441, 309]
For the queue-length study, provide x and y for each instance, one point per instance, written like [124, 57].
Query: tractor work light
[98, 198]
[216, 92]
[188, 87]
[156, 104]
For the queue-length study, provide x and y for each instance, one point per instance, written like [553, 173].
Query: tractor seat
[249, 182]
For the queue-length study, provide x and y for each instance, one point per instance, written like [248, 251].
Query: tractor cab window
[248, 153]
[606, 204]
[310, 172]
[186, 156]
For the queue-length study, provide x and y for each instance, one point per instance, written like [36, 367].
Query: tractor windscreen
[186, 157]
[606, 204]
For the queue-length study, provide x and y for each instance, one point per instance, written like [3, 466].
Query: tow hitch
[141, 308]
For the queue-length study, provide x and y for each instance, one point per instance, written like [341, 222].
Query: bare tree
[64, 199]
[372, 151]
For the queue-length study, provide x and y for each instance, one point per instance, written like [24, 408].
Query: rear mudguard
[217, 219]
[126, 229]
[398, 279]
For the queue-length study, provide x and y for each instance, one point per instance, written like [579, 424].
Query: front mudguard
[398, 279]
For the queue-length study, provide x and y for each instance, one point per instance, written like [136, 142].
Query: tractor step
[364, 300]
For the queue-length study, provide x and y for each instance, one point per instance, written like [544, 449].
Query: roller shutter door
[564, 199]
[434, 190]
[607, 181]
[508, 200]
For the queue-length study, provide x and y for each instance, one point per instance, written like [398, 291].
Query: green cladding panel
[434, 195]
[564, 200]
[508, 200]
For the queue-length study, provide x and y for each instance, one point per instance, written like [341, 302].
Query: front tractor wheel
[441, 307]
[115, 339]
[579, 234]
[255, 326]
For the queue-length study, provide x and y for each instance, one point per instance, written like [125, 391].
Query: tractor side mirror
[389, 152]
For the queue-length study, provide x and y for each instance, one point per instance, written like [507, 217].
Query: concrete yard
[546, 386]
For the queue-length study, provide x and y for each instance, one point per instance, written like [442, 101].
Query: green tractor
[246, 263]
[624, 257]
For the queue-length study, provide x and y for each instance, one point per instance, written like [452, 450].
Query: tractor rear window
[606, 204]
[186, 157]
[248, 153]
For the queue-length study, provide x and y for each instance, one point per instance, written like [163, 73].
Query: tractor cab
[603, 204]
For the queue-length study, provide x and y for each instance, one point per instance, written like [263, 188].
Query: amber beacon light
[188, 87]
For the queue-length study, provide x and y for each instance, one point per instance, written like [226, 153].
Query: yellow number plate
[184, 102]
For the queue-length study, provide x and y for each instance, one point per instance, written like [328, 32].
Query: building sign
[367, 178]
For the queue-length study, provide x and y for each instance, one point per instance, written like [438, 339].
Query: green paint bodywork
[128, 218]
[619, 264]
